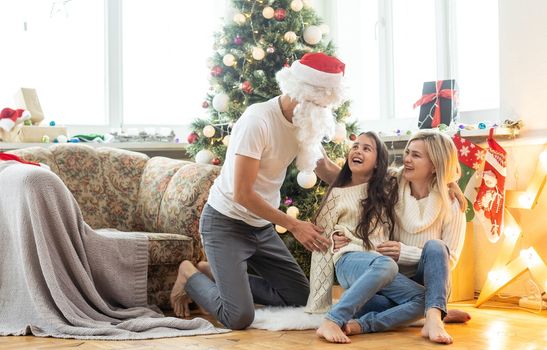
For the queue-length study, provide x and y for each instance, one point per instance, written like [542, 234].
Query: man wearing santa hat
[236, 223]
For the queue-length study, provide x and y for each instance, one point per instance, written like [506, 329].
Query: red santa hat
[10, 117]
[316, 77]
[319, 69]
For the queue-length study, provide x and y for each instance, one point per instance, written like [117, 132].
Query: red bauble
[353, 137]
[192, 137]
[286, 64]
[216, 71]
[205, 104]
[280, 14]
[246, 87]
[215, 161]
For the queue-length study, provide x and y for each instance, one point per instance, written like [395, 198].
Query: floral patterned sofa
[128, 191]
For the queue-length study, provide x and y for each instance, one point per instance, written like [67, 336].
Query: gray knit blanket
[60, 278]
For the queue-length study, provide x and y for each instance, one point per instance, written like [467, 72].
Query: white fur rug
[285, 318]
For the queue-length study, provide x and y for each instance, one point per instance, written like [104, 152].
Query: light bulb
[530, 256]
[512, 232]
[543, 160]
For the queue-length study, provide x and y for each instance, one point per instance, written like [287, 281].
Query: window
[56, 47]
[104, 64]
[396, 45]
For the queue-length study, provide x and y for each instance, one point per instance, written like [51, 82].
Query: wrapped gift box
[35, 133]
[435, 94]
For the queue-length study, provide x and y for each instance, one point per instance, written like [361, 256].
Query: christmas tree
[262, 37]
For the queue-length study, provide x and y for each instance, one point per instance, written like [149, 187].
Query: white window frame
[446, 62]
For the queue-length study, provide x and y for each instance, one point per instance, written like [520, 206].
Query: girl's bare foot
[456, 316]
[331, 332]
[179, 299]
[352, 327]
[434, 327]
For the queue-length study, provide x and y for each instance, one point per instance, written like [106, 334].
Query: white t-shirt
[263, 133]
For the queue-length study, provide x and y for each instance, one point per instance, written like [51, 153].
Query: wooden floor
[492, 327]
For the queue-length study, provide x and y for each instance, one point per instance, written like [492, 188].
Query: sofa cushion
[183, 202]
[156, 176]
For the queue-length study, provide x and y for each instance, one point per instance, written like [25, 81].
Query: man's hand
[340, 240]
[390, 248]
[310, 236]
[455, 192]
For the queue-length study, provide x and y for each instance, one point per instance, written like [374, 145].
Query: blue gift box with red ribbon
[438, 104]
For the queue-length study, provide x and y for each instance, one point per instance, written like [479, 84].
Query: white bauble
[290, 37]
[228, 60]
[296, 5]
[339, 133]
[62, 139]
[306, 179]
[268, 12]
[226, 140]
[204, 156]
[293, 211]
[239, 18]
[209, 131]
[280, 229]
[313, 35]
[324, 28]
[258, 53]
[220, 102]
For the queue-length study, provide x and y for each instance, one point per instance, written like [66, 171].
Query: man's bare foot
[179, 299]
[352, 327]
[434, 327]
[331, 332]
[205, 268]
[456, 316]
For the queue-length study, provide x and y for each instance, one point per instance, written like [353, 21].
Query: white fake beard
[314, 123]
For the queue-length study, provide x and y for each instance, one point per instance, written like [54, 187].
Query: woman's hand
[390, 248]
[340, 240]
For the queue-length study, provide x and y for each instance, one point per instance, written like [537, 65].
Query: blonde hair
[443, 154]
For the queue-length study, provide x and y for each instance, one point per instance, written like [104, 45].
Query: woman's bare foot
[205, 268]
[434, 327]
[456, 316]
[179, 299]
[331, 332]
[352, 327]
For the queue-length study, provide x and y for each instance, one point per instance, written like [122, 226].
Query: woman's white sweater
[422, 220]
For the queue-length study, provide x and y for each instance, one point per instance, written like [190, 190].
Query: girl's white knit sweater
[422, 220]
[341, 212]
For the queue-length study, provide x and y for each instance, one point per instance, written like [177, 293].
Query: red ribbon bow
[445, 93]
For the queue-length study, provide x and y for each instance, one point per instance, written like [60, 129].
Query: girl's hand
[454, 191]
[340, 240]
[390, 248]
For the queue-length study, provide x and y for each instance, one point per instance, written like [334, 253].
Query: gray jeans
[231, 246]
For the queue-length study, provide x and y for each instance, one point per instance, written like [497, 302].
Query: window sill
[165, 149]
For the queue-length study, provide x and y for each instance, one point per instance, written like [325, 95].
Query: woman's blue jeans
[433, 273]
[362, 275]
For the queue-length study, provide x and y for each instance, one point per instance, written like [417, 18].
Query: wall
[523, 95]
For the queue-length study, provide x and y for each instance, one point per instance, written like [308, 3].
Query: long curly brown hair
[378, 208]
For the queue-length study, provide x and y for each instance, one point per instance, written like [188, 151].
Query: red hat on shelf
[10, 117]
